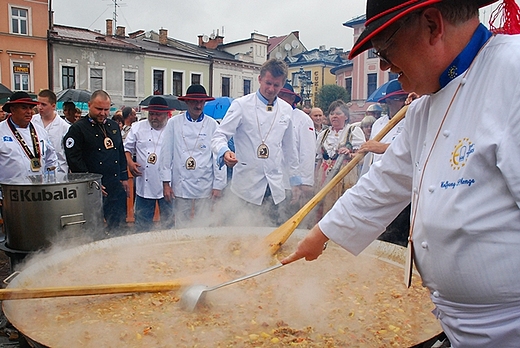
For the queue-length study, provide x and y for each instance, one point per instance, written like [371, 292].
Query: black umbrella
[5, 92]
[173, 101]
[74, 95]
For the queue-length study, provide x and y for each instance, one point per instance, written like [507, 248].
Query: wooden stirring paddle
[87, 290]
[280, 235]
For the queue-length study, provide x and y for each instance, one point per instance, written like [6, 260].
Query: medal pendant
[190, 163]
[152, 158]
[262, 151]
[109, 144]
[408, 268]
[35, 164]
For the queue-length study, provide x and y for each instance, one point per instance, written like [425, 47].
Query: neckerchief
[23, 144]
[201, 117]
[464, 59]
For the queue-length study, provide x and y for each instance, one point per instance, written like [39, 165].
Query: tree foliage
[329, 93]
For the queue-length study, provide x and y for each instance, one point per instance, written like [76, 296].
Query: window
[96, 79]
[247, 87]
[295, 81]
[371, 53]
[129, 88]
[19, 21]
[371, 83]
[348, 86]
[195, 79]
[158, 82]
[177, 83]
[392, 76]
[68, 77]
[22, 76]
[226, 86]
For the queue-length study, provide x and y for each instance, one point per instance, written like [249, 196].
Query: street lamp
[305, 86]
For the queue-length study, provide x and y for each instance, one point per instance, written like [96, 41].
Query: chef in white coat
[261, 126]
[144, 140]
[189, 171]
[25, 148]
[455, 160]
[304, 139]
[55, 126]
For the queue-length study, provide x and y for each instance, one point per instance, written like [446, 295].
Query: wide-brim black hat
[19, 98]
[196, 92]
[383, 13]
[158, 104]
[287, 88]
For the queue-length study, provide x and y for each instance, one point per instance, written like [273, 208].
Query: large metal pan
[308, 302]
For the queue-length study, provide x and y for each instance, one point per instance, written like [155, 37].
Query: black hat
[19, 98]
[196, 92]
[158, 104]
[383, 13]
[287, 88]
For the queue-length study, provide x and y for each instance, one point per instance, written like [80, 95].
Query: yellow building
[310, 70]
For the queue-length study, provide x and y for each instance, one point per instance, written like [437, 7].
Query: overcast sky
[319, 22]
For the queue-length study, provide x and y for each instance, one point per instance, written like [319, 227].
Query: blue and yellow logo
[460, 154]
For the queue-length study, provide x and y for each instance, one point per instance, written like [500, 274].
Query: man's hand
[229, 159]
[215, 194]
[309, 247]
[373, 146]
[134, 168]
[168, 192]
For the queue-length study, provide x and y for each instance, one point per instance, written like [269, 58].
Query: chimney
[120, 31]
[109, 29]
[213, 43]
[163, 36]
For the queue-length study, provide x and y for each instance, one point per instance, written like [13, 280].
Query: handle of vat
[64, 219]
[11, 277]
[95, 184]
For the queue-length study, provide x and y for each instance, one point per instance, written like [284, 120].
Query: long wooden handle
[86, 290]
[280, 235]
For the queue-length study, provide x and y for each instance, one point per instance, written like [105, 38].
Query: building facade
[24, 57]
[311, 70]
[86, 59]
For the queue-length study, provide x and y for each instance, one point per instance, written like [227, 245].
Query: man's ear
[435, 23]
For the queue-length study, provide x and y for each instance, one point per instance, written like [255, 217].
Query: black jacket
[86, 152]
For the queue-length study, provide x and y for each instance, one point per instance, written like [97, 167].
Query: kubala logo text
[43, 195]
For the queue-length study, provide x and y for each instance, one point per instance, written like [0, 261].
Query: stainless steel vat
[42, 209]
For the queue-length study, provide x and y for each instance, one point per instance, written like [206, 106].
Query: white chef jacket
[304, 139]
[251, 174]
[182, 139]
[378, 125]
[467, 229]
[13, 159]
[142, 140]
[56, 130]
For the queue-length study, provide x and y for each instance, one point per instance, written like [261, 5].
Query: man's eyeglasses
[382, 52]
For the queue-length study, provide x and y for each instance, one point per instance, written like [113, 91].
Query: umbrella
[217, 108]
[73, 95]
[4, 91]
[386, 88]
[172, 101]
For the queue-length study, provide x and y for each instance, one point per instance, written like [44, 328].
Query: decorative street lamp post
[305, 86]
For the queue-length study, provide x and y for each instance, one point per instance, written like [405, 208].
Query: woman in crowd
[334, 149]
